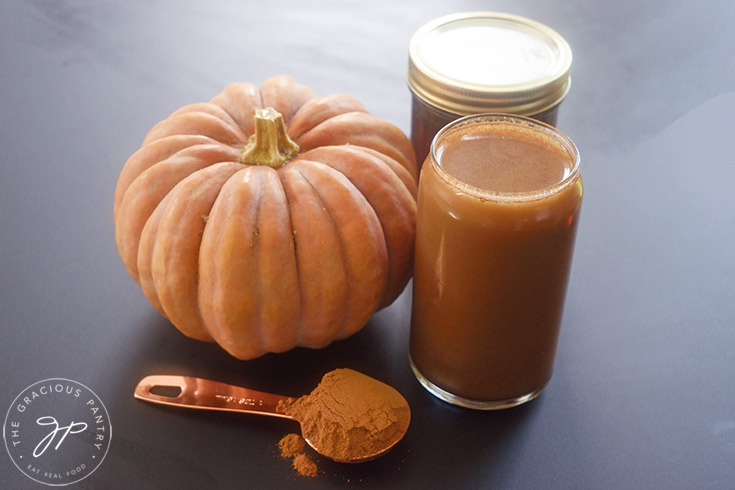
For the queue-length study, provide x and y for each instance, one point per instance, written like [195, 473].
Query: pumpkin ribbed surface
[259, 257]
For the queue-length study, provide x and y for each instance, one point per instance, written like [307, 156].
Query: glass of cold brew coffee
[498, 208]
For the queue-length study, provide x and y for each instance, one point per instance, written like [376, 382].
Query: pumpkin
[269, 219]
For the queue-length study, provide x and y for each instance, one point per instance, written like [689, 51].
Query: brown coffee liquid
[491, 270]
[507, 161]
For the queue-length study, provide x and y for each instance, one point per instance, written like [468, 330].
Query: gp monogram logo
[57, 431]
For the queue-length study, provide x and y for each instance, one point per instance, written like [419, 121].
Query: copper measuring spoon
[203, 394]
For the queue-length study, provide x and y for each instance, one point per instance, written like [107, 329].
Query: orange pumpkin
[266, 229]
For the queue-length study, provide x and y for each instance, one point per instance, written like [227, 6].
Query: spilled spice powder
[305, 466]
[291, 445]
[350, 416]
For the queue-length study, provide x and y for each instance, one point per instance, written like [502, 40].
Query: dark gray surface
[643, 395]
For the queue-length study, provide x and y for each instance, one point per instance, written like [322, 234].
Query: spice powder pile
[292, 446]
[350, 416]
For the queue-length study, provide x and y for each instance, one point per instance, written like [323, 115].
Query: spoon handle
[185, 391]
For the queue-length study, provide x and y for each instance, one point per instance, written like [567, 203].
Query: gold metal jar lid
[475, 62]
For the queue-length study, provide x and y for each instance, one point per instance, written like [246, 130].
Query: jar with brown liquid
[481, 62]
[498, 208]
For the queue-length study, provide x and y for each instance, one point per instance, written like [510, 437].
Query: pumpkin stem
[269, 145]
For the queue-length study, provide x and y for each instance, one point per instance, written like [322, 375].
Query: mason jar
[483, 62]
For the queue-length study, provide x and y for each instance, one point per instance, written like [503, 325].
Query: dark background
[643, 394]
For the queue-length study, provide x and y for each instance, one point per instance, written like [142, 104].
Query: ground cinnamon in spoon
[350, 416]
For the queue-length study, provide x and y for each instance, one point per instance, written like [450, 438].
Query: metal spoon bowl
[203, 394]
